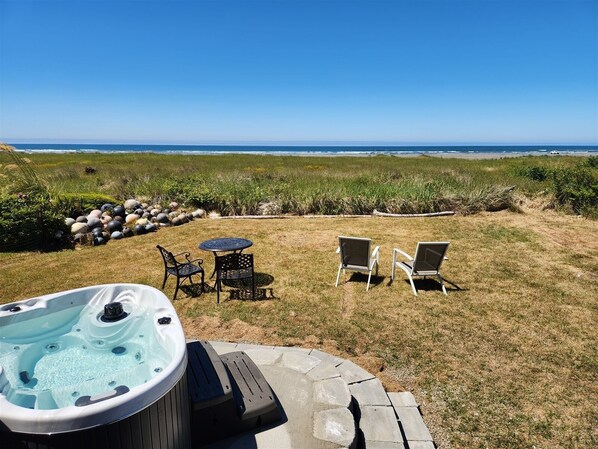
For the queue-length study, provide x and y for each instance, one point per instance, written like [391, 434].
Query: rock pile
[121, 221]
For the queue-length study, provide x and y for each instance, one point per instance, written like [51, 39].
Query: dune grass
[509, 359]
[240, 184]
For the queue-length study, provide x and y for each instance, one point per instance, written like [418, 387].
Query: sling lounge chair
[427, 261]
[355, 256]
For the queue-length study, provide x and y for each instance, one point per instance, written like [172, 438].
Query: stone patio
[328, 403]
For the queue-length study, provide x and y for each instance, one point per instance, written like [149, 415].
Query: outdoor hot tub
[94, 367]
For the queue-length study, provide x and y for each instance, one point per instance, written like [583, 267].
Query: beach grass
[241, 184]
[509, 359]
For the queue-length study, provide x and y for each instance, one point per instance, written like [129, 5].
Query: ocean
[313, 150]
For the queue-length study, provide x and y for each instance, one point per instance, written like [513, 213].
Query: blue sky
[328, 72]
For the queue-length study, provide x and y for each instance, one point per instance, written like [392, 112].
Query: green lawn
[508, 359]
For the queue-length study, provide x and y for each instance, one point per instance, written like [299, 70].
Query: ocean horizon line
[206, 149]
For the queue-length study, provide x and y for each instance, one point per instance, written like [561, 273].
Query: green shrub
[29, 222]
[535, 173]
[74, 204]
[577, 189]
[592, 162]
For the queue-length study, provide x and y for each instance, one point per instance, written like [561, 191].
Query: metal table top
[224, 244]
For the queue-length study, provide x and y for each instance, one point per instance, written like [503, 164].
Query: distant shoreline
[460, 152]
[441, 155]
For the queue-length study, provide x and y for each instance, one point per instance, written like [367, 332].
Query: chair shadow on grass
[238, 289]
[431, 284]
[363, 278]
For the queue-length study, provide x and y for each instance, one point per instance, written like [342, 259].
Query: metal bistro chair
[234, 267]
[181, 270]
[427, 261]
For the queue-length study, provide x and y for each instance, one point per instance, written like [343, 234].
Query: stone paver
[335, 425]
[246, 346]
[402, 399]
[369, 392]
[223, 347]
[298, 361]
[332, 359]
[379, 424]
[421, 445]
[413, 424]
[323, 371]
[264, 356]
[294, 349]
[321, 380]
[353, 373]
[383, 445]
[332, 392]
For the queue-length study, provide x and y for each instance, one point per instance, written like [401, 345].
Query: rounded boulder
[162, 218]
[114, 226]
[79, 228]
[119, 211]
[93, 222]
[131, 218]
[198, 213]
[131, 204]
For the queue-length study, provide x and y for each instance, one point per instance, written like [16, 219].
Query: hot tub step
[253, 396]
[228, 394]
[208, 380]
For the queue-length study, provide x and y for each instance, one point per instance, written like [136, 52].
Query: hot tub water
[91, 358]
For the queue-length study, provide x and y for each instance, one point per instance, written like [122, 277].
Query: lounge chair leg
[338, 276]
[165, 277]
[442, 284]
[369, 277]
[413, 286]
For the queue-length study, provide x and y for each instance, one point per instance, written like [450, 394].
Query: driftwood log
[429, 214]
[374, 214]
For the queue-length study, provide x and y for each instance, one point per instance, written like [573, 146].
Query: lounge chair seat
[427, 262]
[355, 256]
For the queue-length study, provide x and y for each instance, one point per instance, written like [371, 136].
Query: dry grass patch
[508, 359]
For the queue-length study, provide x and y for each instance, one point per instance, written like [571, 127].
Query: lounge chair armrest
[375, 257]
[376, 253]
[199, 261]
[397, 250]
[338, 250]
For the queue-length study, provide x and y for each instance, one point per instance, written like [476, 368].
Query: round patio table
[225, 244]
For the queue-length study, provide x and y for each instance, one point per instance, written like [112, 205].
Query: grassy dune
[240, 184]
[508, 359]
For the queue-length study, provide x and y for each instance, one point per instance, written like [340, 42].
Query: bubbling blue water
[90, 359]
